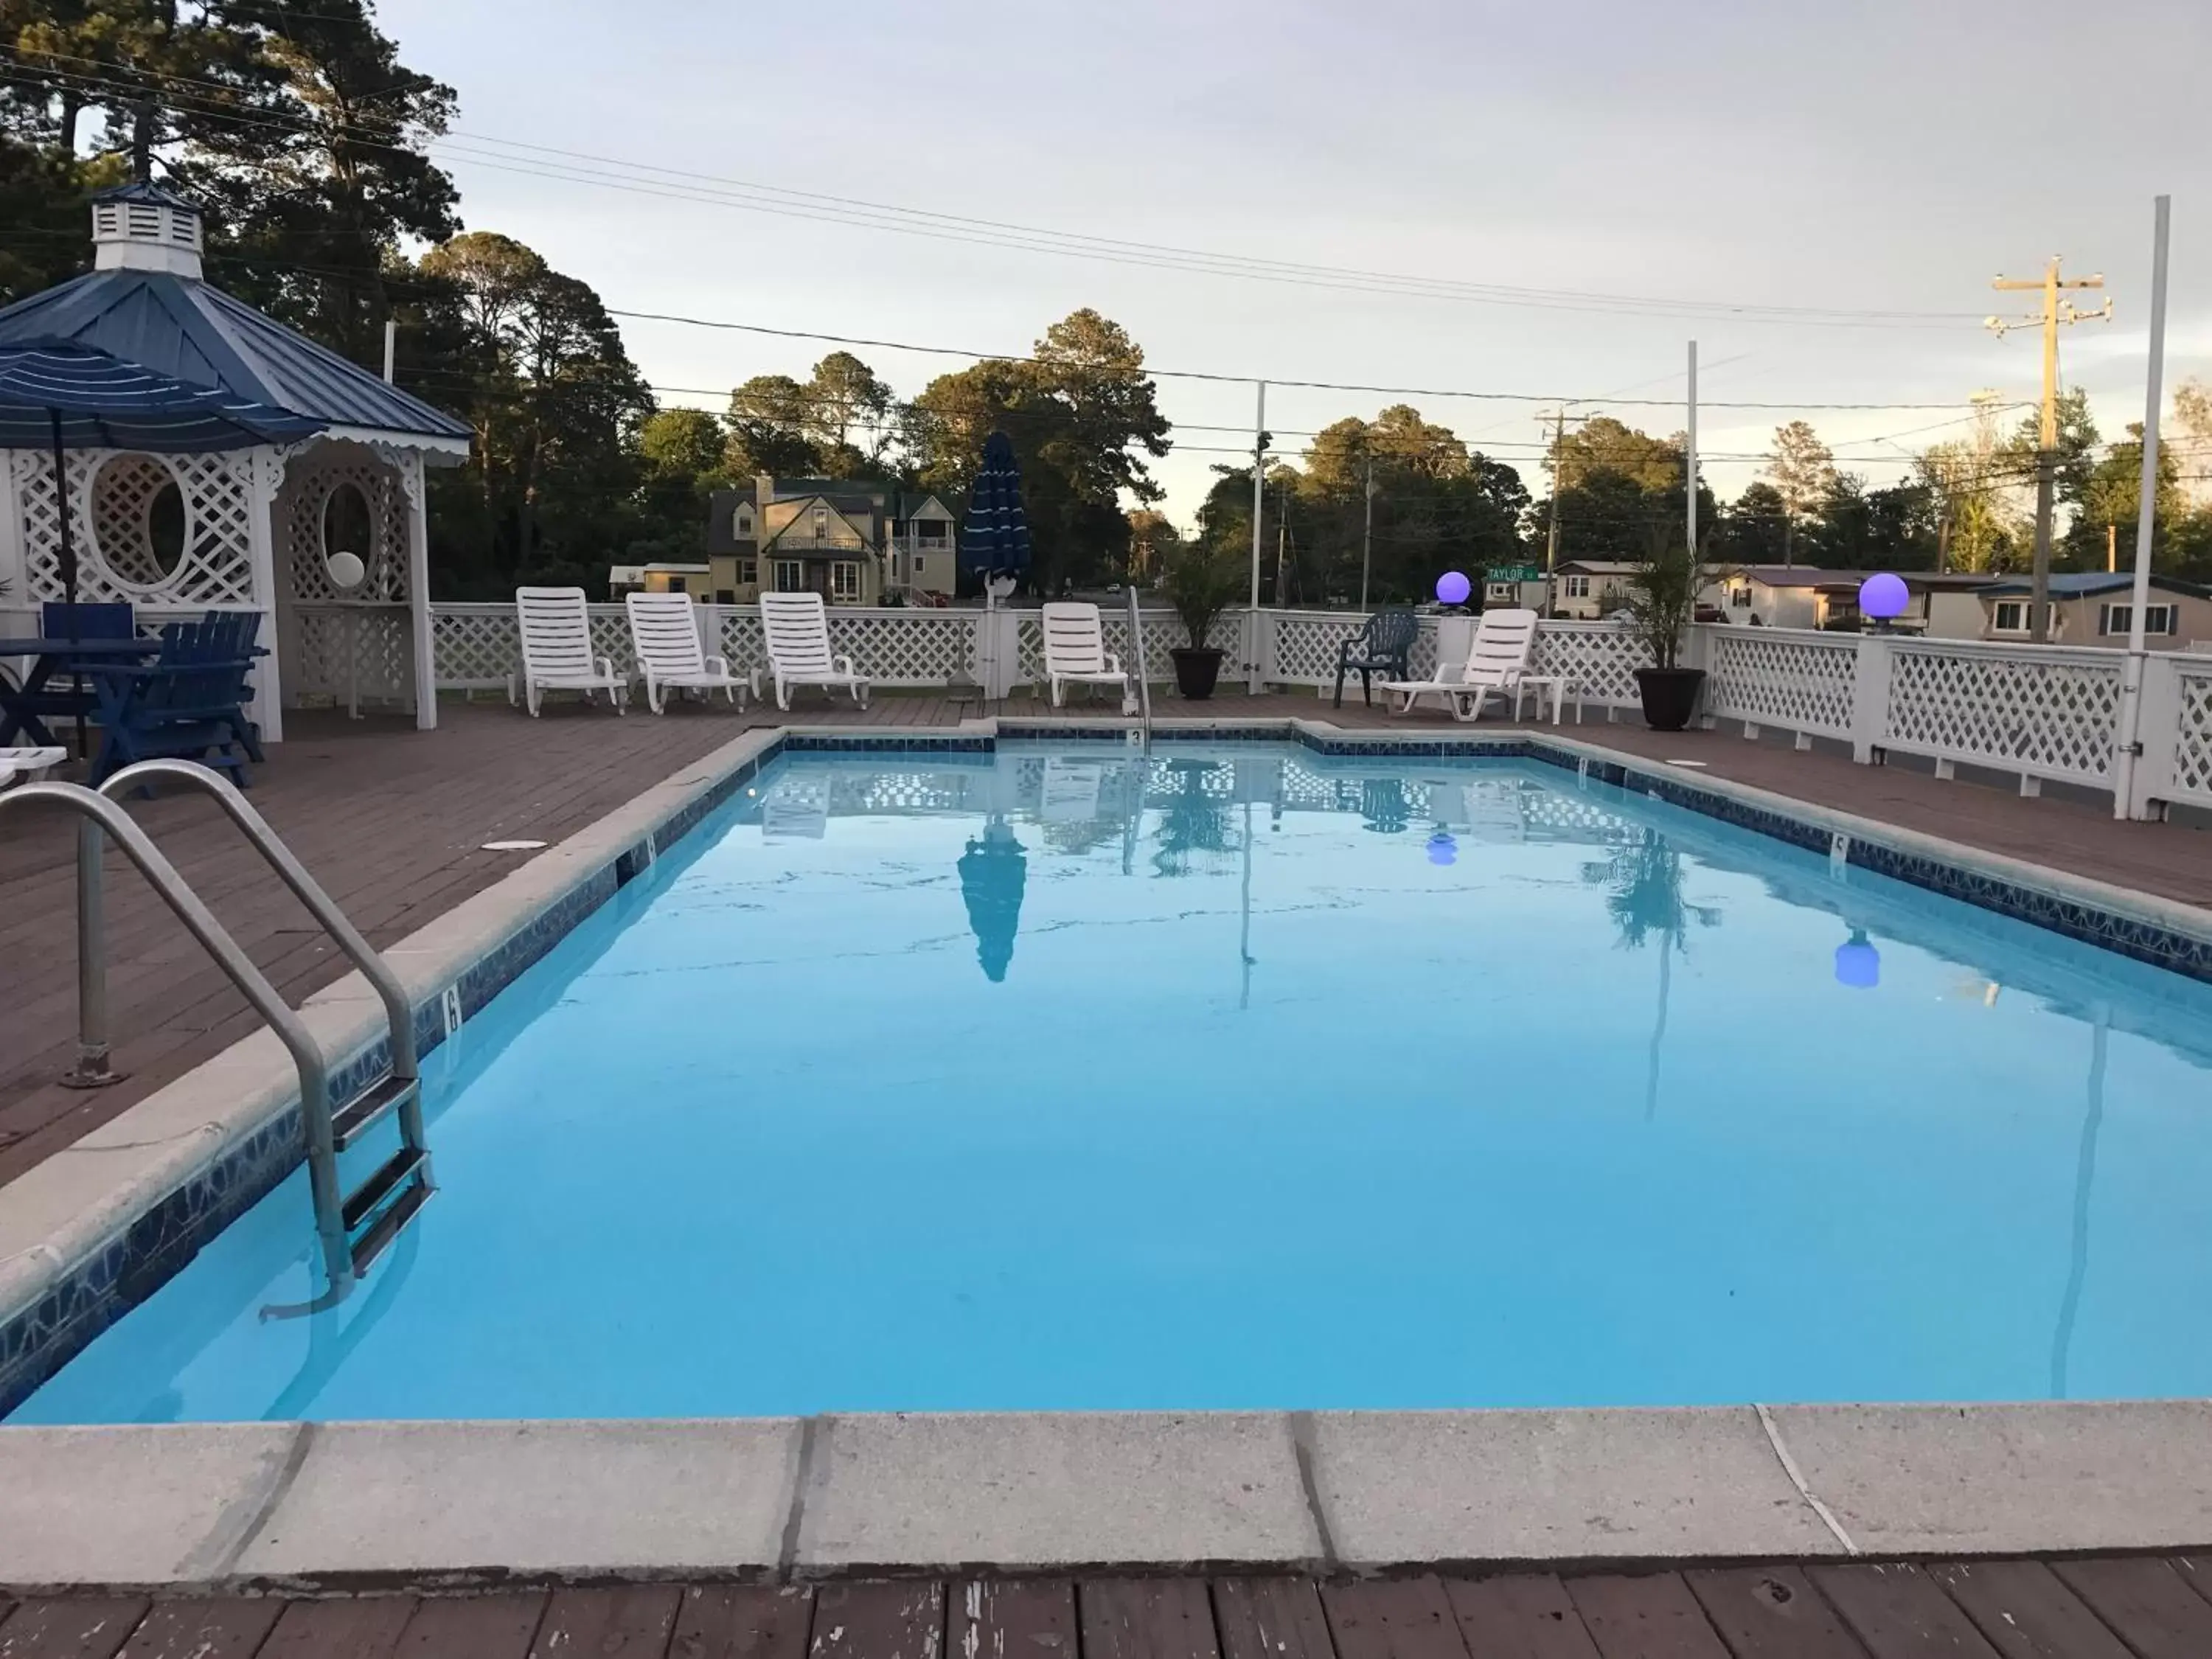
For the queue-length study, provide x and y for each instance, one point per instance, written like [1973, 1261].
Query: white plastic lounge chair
[556, 629]
[28, 765]
[664, 632]
[1075, 651]
[1495, 662]
[796, 629]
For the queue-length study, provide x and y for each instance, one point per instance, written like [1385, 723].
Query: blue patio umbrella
[57, 393]
[994, 541]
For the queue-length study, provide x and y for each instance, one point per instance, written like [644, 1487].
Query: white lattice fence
[907, 645]
[2043, 713]
[1598, 659]
[743, 646]
[474, 645]
[351, 652]
[1797, 680]
[2193, 751]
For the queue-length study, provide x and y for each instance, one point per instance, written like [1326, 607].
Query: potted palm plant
[1200, 582]
[1662, 596]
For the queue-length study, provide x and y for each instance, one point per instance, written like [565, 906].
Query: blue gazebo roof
[183, 327]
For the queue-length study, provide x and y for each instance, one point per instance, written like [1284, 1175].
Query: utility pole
[1367, 535]
[1282, 533]
[2054, 313]
[1690, 457]
[1551, 536]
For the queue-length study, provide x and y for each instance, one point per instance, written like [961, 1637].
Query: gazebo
[249, 529]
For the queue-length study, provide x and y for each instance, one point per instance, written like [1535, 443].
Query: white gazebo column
[15, 569]
[265, 473]
[418, 590]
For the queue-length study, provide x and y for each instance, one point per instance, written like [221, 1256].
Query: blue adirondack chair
[188, 704]
[1384, 645]
[64, 693]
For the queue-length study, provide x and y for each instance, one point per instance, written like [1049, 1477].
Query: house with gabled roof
[853, 541]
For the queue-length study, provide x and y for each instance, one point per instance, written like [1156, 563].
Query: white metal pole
[2131, 670]
[1259, 511]
[1690, 446]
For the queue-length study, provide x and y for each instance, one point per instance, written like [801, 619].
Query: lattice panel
[1800, 683]
[1599, 659]
[350, 652]
[609, 638]
[1162, 634]
[302, 513]
[907, 645]
[743, 646]
[115, 556]
[1307, 646]
[2192, 751]
[475, 645]
[2041, 713]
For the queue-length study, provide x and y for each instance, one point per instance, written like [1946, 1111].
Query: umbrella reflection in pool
[993, 873]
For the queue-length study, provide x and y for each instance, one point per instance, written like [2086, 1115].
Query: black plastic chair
[1385, 643]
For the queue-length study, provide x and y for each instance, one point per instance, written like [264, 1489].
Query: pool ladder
[353, 1228]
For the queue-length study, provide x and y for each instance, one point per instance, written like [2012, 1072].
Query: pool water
[1240, 1077]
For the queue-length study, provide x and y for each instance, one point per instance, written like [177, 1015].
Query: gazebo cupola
[145, 228]
[247, 529]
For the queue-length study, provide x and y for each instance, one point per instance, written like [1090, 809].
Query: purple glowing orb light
[1453, 587]
[1883, 597]
[1442, 849]
[1858, 964]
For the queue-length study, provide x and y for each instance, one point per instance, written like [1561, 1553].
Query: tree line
[300, 129]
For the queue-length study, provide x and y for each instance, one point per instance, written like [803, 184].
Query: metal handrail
[1136, 652]
[103, 814]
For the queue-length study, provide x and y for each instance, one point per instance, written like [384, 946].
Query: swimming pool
[1059, 1077]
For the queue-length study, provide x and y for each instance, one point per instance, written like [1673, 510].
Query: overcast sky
[1882, 156]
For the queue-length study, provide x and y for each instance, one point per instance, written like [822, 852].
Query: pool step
[367, 1198]
[369, 1108]
[387, 1225]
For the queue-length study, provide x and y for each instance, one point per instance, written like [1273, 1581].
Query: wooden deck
[2135, 1607]
[393, 821]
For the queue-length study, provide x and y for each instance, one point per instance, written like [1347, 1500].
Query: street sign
[1514, 573]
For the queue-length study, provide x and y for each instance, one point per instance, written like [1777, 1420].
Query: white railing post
[1254, 619]
[1697, 651]
[1870, 697]
[2149, 772]
[1267, 622]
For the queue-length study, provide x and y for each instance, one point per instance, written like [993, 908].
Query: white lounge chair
[1495, 662]
[1075, 651]
[796, 629]
[28, 765]
[556, 629]
[664, 632]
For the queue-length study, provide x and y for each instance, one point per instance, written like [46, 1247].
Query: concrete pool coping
[338, 1506]
[60, 1221]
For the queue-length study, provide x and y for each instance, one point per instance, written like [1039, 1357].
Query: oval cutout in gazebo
[251, 529]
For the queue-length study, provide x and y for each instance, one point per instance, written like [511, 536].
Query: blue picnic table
[21, 705]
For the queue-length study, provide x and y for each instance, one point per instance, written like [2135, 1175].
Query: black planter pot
[1197, 668]
[1670, 695]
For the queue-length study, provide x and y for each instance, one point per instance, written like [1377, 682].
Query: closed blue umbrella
[994, 541]
[60, 394]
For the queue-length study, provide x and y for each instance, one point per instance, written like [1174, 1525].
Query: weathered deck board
[630, 1621]
[1770, 1612]
[1270, 1619]
[1392, 1618]
[95, 1627]
[473, 1627]
[898, 1619]
[202, 1628]
[2026, 1612]
[1645, 1616]
[367, 1628]
[1147, 1619]
[1012, 1619]
[2147, 1601]
[1519, 1616]
[742, 1621]
[1898, 1612]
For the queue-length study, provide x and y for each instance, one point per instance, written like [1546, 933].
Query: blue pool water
[1245, 1078]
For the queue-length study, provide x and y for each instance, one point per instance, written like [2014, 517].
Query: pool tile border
[59, 1292]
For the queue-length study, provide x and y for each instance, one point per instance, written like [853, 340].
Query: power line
[752, 196]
